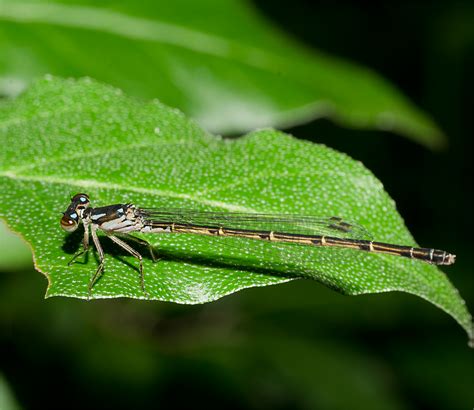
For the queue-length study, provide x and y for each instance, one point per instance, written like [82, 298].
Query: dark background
[299, 345]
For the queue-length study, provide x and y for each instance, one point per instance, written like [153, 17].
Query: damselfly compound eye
[80, 198]
[68, 224]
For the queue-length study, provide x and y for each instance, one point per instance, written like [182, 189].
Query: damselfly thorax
[123, 219]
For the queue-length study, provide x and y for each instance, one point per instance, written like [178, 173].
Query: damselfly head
[73, 214]
[69, 222]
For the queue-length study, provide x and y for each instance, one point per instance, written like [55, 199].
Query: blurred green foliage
[7, 401]
[299, 345]
[16, 254]
[220, 62]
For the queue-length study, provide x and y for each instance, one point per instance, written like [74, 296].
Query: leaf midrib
[109, 185]
[91, 154]
[150, 191]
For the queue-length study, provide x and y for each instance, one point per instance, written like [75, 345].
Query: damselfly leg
[100, 269]
[135, 254]
[142, 242]
[85, 245]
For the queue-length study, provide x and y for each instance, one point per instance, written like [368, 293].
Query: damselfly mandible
[122, 219]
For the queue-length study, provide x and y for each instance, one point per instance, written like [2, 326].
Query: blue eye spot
[73, 216]
[82, 199]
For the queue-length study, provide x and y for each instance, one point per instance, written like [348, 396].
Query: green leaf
[65, 136]
[219, 62]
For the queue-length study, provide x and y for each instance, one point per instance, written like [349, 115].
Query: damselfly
[122, 219]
